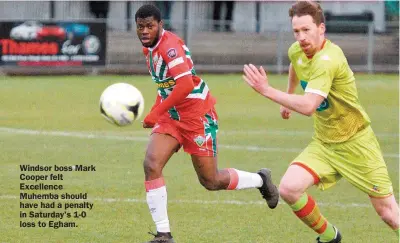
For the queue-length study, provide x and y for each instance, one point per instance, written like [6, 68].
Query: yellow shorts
[359, 160]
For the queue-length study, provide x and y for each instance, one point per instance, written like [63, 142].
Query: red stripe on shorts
[314, 175]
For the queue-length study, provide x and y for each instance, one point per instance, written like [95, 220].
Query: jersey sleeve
[322, 74]
[175, 58]
[156, 102]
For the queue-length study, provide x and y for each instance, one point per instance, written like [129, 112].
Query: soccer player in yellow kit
[343, 144]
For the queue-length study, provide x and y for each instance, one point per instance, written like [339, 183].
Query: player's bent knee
[151, 169]
[150, 165]
[289, 193]
[284, 192]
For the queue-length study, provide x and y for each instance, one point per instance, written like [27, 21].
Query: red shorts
[197, 136]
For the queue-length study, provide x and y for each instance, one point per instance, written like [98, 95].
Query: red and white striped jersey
[169, 60]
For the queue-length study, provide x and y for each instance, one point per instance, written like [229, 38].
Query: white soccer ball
[121, 104]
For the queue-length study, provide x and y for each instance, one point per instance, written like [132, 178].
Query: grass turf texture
[252, 135]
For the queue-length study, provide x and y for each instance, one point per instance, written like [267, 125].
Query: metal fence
[228, 51]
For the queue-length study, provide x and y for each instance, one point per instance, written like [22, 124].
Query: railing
[227, 51]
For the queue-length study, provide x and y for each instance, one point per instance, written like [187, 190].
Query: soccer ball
[121, 104]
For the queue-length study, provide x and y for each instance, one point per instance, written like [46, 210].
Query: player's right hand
[285, 112]
[150, 120]
[145, 125]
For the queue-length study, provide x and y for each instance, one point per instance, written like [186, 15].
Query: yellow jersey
[328, 74]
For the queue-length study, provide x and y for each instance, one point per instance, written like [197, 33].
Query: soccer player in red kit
[183, 115]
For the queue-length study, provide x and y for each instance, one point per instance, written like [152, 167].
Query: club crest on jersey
[199, 140]
[171, 53]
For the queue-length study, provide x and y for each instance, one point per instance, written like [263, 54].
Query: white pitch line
[232, 133]
[71, 134]
[202, 202]
[145, 139]
[288, 133]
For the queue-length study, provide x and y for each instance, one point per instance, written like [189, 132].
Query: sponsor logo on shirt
[299, 61]
[325, 58]
[166, 84]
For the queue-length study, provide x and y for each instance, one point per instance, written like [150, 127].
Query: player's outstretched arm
[156, 103]
[184, 85]
[304, 104]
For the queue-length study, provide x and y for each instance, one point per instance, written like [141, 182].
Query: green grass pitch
[56, 121]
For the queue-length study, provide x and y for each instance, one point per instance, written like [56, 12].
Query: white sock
[157, 202]
[243, 180]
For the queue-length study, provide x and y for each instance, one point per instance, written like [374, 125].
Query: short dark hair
[302, 8]
[148, 10]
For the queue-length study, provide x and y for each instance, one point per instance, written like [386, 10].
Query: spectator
[165, 8]
[99, 8]
[217, 15]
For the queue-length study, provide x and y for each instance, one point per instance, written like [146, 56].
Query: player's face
[148, 31]
[308, 34]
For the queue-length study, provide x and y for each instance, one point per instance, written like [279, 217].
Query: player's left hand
[256, 78]
[150, 120]
[285, 112]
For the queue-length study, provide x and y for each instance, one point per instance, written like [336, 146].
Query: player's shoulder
[294, 50]
[330, 57]
[331, 51]
[295, 47]
[170, 40]
[170, 46]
